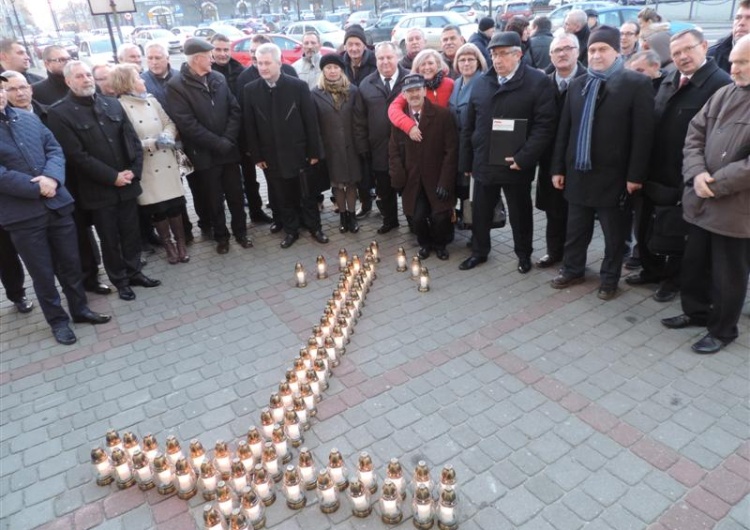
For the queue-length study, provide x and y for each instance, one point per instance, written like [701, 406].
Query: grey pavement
[558, 411]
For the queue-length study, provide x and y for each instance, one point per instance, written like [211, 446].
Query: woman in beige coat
[163, 195]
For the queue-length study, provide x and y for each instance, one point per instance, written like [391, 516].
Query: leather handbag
[184, 164]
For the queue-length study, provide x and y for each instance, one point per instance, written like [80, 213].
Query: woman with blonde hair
[341, 118]
[439, 87]
[163, 196]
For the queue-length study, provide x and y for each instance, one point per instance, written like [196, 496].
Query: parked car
[136, 29]
[432, 25]
[363, 18]
[330, 35]
[337, 19]
[429, 5]
[183, 33]
[615, 15]
[291, 49]
[164, 37]
[230, 32]
[470, 12]
[40, 43]
[382, 29]
[306, 15]
[275, 21]
[97, 50]
[512, 8]
[557, 16]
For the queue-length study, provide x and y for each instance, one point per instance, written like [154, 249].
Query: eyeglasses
[679, 53]
[61, 60]
[564, 49]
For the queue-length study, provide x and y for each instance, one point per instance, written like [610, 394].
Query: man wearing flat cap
[426, 170]
[209, 119]
[508, 98]
[601, 157]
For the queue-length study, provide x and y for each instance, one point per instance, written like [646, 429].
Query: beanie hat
[607, 35]
[355, 31]
[332, 58]
[486, 23]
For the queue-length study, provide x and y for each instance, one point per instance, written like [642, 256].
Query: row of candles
[419, 273]
[242, 488]
[243, 485]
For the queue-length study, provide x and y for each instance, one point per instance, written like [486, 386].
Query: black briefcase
[314, 180]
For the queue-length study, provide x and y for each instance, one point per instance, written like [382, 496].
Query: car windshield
[323, 26]
[161, 34]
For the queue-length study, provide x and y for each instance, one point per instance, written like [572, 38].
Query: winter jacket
[51, 89]
[720, 52]
[367, 66]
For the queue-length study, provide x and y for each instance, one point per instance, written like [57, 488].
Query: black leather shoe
[222, 247]
[319, 236]
[364, 211]
[563, 282]
[423, 253]
[665, 294]
[524, 265]
[98, 288]
[679, 322]
[289, 240]
[126, 293]
[260, 218]
[607, 293]
[244, 242]
[471, 262]
[89, 317]
[708, 344]
[547, 261]
[64, 335]
[639, 279]
[276, 228]
[442, 254]
[142, 280]
[385, 228]
[24, 305]
[632, 263]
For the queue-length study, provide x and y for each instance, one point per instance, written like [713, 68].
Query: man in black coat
[13, 56]
[601, 157]
[740, 27]
[540, 42]
[53, 88]
[223, 62]
[509, 95]
[378, 90]
[576, 22]
[158, 73]
[104, 152]
[283, 138]
[208, 118]
[564, 58]
[681, 95]
[250, 179]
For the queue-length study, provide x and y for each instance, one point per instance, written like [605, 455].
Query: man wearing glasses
[740, 27]
[53, 88]
[629, 33]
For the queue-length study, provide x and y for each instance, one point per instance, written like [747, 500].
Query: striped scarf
[590, 91]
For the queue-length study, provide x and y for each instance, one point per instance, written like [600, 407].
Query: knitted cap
[486, 23]
[607, 35]
[355, 31]
[332, 58]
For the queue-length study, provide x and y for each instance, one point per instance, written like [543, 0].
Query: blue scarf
[590, 91]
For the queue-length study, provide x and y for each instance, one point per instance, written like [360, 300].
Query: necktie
[416, 117]
[502, 80]
[563, 85]
[388, 84]
[684, 80]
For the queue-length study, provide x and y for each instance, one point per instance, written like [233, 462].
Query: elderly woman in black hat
[341, 117]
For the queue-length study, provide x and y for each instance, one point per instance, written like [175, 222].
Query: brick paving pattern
[558, 411]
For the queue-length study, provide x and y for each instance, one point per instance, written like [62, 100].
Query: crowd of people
[642, 130]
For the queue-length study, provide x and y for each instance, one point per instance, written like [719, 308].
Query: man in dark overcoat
[679, 98]
[378, 90]
[104, 152]
[509, 91]
[282, 134]
[740, 27]
[208, 118]
[601, 157]
[426, 170]
[563, 54]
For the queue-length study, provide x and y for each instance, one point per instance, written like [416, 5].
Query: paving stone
[484, 490]
[582, 505]
[665, 485]
[567, 473]
[549, 447]
[518, 505]
[561, 517]
[604, 487]
[544, 489]
[628, 468]
[645, 503]
[620, 519]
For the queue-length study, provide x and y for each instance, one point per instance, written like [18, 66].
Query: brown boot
[178, 229]
[162, 228]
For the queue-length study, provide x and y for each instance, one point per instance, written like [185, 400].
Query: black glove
[442, 193]
[226, 146]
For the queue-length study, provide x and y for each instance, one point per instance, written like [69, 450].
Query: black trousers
[715, 271]
[295, 209]
[49, 248]
[117, 226]
[251, 186]
[556, 212]
[433, 230]
[213, 186]
[615, 224]
[520, 214]
[387, 200]
[11, 269]
[666, 269]
[88, 249]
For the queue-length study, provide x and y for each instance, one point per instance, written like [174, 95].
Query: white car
[330, 35]
[164, 37]
[97, 50]
[432, 24]
[183, 33]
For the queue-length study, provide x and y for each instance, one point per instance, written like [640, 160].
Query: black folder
[506, 138]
